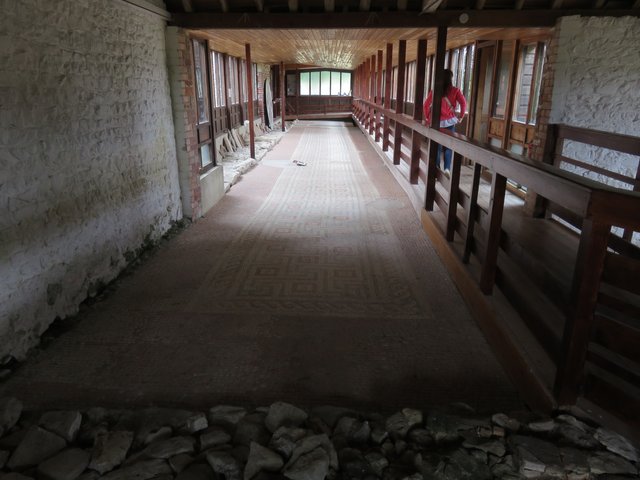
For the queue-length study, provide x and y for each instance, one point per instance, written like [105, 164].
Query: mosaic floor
[310, 284]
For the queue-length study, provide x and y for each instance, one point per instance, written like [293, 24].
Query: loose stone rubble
[235, 155]
[283, 442]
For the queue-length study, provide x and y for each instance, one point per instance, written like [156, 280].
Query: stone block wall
[596, 82]
[87, 154]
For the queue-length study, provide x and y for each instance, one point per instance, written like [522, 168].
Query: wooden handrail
[572, 191]
[612, 141]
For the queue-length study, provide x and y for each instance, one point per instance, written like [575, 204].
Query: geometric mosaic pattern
[320, 243]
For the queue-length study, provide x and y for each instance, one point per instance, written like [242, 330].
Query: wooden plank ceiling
[275, 33]
[347, 48]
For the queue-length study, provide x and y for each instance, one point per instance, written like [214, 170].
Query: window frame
[345, 76]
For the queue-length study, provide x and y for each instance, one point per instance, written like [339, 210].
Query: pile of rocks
[239, 161]
[286, 442]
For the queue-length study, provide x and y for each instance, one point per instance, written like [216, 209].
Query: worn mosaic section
[87, 153]
[320, 243]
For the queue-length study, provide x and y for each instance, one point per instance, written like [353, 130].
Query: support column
[441, 50]
[418, 100]
[397, 134]
[387, 96]
[252, 133]
[283, 95]
[372, 88]
[378, 96]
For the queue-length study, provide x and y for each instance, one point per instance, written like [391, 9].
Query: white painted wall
[88, 167]
[597, 86]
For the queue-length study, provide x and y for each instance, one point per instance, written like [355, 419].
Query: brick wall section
[546, 95]
[87, 153]
[182, 80]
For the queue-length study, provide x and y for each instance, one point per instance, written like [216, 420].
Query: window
[325, 82]
[502, 82]
[410, 82]
[202, 93]
[394, 83]
[217, 74]
[243, 80]
[527, 90]
[254, 69]
[232, 80]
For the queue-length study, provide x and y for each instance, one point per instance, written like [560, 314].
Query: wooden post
[441, 50]
[454, 188]
[372, 119]
[379, 96]
[397, 134]
[584, 296]
[496, 207]
[418, 99]
[472, 212]
[365, 93]
[252, 133]
[283, 95]
[387, 96]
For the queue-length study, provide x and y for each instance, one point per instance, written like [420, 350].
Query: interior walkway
[311, 284]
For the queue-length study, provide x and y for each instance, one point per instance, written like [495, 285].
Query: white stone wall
[88, 167]
[597, 86]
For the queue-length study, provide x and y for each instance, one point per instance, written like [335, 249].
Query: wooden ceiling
[346, 48]
[342, 33]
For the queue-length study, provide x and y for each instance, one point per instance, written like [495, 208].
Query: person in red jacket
[448, 116]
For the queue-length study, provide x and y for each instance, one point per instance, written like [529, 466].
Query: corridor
[310, 284]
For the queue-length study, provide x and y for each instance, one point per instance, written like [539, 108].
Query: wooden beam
[441, 46]
[472, 213]
[365, 5]
[584, 297]
[496, 207]
[379, 100]
[418, 100]
[372, 20]
[149, 8]
[430, 6]
[387, 96]
[224, 5]
[329, 5]
[372, 80]
[293, 5]
[397, 134]
[260, 5]
[283, 96]
[252, 133]
[187, 6]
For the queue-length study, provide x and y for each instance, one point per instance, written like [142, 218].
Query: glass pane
[503, 80]
[205, 155]
[523, 85]
[335, 83]
[291, 84]
[201, 85]
[325, 83]
[469, 68]
[315, 83]
[304, 83]
[345, 83]
[538, 82]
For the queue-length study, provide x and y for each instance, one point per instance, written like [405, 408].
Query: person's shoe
[447, 172]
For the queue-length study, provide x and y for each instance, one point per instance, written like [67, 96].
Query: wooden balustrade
[593, 339]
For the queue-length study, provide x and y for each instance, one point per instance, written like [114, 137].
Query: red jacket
[446, 113]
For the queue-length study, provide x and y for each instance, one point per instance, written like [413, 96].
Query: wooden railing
[595, 340]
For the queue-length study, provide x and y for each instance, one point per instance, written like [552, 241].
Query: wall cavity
[87, 150]
[597, 79]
